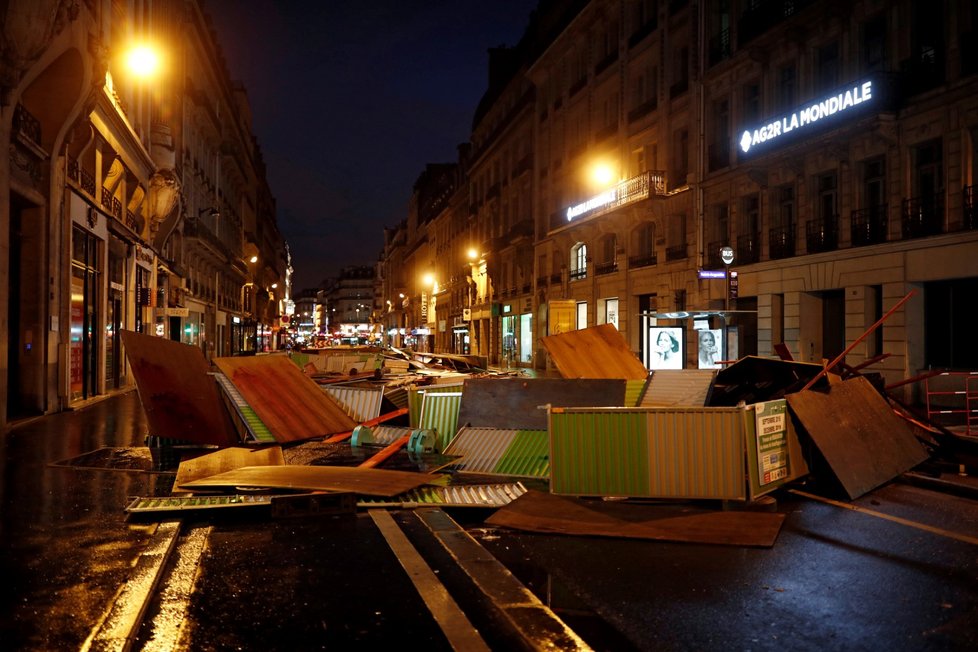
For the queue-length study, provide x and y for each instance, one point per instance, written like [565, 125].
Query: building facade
[127, 202]
[828, 149]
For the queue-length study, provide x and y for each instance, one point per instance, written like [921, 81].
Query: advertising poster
[708, 343]
[771, 421]
[667, 348]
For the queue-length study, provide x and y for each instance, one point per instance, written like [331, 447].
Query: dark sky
[351, 100]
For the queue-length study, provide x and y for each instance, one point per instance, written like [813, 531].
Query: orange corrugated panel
[291, 404]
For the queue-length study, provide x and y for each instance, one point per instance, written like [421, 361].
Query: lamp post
[727, 257]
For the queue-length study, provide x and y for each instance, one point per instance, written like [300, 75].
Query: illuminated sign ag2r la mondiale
[807, 116]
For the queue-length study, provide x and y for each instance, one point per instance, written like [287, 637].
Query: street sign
[727, 255]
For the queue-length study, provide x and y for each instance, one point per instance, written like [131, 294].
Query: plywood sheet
[226, 459]
[366, 481]
[513, 403]
[536, 511]
[180, 400]
[864, 443]
[596, 352]
[290, 404]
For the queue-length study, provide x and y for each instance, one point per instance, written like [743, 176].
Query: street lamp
[143, 61]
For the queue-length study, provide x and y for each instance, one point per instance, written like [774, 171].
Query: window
[787, 87]
[680, 159]
[874, 182]
[578, 262]
[786, 205]
[874, 44]
[751, 222]
[676, 236]
[581, 314]
[680, 73]
[752, 102]
[827, 68]
[643, 246]
[608, 311]
[827, 191]
[608, 246]
[928, 178]
[719, 154]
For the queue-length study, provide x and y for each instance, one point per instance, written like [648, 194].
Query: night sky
[351, 100]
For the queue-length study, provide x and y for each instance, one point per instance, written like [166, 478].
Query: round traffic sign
[727, 255]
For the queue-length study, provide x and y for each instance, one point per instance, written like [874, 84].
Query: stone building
[827, 148]
[127, 202]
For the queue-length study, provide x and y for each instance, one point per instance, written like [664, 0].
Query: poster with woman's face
[667, 348]
[708, 348]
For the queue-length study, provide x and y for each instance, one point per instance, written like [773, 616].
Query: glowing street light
[602, 174]
[143, 61]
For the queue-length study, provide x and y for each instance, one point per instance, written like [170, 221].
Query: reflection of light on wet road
[123, 616]
[166, 628]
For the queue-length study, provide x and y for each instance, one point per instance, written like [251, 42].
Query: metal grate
[255, 427]
[481, 495]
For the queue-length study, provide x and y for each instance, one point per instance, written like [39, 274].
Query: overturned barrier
[691, 453]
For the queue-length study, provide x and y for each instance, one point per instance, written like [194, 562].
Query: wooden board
[291, 405]
[226, 459]
[864, 443]
[369, 482]
[180, 400]
[596, 352]
[536, 511]
[512, 403]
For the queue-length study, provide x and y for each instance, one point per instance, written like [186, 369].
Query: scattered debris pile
[609, 449]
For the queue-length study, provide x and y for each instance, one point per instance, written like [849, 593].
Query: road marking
[896, 519]
[120, 623]
[459, 631]
[538, 626]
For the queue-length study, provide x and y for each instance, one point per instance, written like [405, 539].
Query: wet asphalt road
[836, 579]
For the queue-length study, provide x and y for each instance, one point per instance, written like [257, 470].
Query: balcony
[676, 252]
[782, 242]
[822, 234]
[713, 254]
[634, 262]
[555, 278]
[578, 274]
[606, 268]
[969, 214]
[868, 226]
[923, 216]
[748, 248]
[26, 125]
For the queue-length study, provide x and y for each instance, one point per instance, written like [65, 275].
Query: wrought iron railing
[748, 248]
[781, 242]
[713, 254]
[606, 268]
[676, 252]
[868, 226]
[923, 216]
[969, 214]
[822, 234]
[578, 274]
[641, 261]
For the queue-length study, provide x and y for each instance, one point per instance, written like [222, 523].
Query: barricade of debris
[609, 449]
